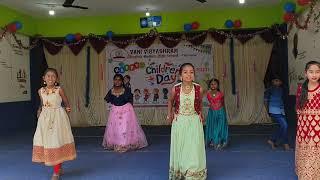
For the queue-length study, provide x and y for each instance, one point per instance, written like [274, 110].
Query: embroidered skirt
[187, 149]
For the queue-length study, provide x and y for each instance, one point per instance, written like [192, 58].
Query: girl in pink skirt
[123, 131]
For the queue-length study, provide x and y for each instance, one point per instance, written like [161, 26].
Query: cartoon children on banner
[165, 92]
[146, 96]
[137, 96]
[155, 95]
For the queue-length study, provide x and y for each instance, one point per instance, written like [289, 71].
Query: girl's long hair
[304, 91]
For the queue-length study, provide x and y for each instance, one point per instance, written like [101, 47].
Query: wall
[129, 23]
[171, 21]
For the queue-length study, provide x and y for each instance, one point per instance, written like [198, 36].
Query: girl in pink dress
[123, 131]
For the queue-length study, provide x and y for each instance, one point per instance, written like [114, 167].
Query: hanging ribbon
[238, 100]
[232, 66]
[224, 75]
[88, 78]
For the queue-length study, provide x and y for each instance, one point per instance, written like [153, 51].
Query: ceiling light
[147, 13]
[241, 1]
[51, 12]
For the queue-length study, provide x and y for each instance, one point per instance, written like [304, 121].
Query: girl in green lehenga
[187, 150]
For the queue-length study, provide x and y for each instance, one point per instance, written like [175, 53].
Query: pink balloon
[237, 23]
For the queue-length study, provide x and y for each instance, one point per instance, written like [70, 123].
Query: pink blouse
[217, 101]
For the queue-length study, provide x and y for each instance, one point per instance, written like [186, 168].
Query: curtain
[72, 78]
[251, 61]
[244, 107]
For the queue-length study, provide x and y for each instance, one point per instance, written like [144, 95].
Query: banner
[154, 71]
[14, 70]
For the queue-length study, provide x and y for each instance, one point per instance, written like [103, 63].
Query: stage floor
[248, 157]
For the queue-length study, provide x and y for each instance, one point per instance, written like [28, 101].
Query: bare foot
[55, 176]
[211, 144]
[271, 144]
[286, 147]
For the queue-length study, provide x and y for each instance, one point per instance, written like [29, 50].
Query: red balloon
[78, 36]
[237, 23]
[195, 25]
[303, 2]
[12, 27]
[288, 17]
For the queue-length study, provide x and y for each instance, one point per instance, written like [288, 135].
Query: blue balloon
[109, 34]
[187, 27]
[289, 7]
[18, 25]
[229, 23]
[70, 37]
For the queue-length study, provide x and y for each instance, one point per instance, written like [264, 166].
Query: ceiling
[108, 7]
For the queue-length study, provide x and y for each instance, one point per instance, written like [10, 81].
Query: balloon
[289, 7]
[70, 37]
[187, 27]
[12, 27]
[78, 36]
[195, 25]
[237, 23]
[228, 23]
[288, 17]
[303, 2]
[18, 25]
[109, 34]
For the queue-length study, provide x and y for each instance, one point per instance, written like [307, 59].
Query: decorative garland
[152, 34]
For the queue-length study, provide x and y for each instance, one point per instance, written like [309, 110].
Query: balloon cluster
[73, 37]
[290, 9]
[14, 26]
[233, 24]
[191, 26]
